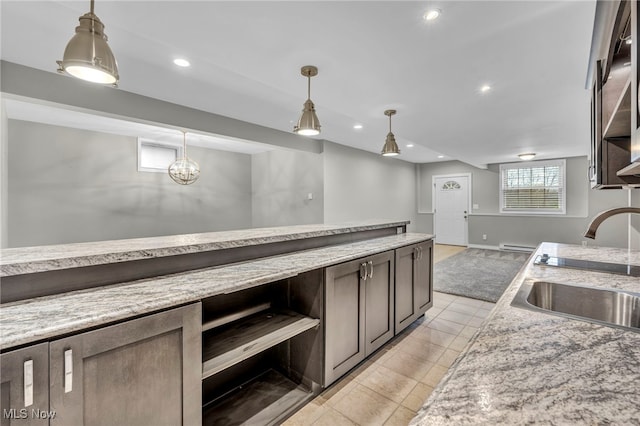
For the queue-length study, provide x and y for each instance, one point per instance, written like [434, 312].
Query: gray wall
[360, 185]
[582, 204]
[281, 182]
[68, 185]
[4, 171]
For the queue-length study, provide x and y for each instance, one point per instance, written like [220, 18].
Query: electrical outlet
[476, 206]
[484, 237]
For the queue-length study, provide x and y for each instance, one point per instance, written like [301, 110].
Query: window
[536, 187]
[156, 156]
[450, 186]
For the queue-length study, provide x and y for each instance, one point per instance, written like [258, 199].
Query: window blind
[533, 187]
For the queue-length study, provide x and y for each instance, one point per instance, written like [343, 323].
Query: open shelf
[266, 400]
[619, 123]
[250, 336]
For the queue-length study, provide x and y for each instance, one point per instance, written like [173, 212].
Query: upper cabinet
[613, 79]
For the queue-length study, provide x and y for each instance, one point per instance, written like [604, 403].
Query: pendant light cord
[92, 6]
[184, 144]
[389, 123]
[308, 86]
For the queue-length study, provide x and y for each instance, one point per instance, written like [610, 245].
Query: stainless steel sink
[609, 307]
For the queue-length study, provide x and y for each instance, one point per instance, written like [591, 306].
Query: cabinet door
[146, 371]
[406, 302]
[24, 381]
[379, 298]
[344, 314]
[423, 277]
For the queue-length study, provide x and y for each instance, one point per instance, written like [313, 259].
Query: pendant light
[308, 125]
[87, 55]
[390, 147]
[184, 170]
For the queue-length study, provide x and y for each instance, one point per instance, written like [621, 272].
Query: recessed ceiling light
[440, 156]
[527, 156]
[485, 88]
[432, 14]
[357, 126]
[409, 145]
[182, 62]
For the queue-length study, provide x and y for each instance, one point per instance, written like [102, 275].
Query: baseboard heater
[516, 247]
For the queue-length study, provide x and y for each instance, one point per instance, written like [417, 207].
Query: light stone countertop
[526, 367]
[42, 318]
[23, 260]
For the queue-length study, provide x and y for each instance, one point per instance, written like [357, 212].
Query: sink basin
[609, 307]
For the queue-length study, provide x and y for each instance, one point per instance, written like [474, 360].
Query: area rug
[477, 273]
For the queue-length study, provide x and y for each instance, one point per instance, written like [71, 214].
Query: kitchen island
[236, 326]
[525, 367]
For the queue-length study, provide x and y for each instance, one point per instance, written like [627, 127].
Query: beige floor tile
[444, 296]
[401, 417]
[488, 305]
[365, 407]
[459, 343]
[468, 331]
[447, 358]
[456, 317]
[445, 325]
[333, 418]
[442, 251]
[363, 370]
[484, 313]
[462, 308]
[417, 397]
[338, 390]
[422, 350]
[307, 414]
[431, 335]
[389, 384]
[408, 365]
[471, 302]
[476, 321]
[433, 377]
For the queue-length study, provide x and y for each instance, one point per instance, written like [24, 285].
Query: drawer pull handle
[371, 272]
[68, 371]
[28, 383]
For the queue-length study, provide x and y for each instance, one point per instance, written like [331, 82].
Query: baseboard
[516, 247]
[482, 246]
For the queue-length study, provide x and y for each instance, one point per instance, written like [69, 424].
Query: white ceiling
[372, 55]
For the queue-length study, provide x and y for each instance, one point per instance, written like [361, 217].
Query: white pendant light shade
[184, 170]
[308, 124]
[87, 55]
[390, 147]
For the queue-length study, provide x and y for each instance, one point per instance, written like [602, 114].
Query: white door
[451, 205]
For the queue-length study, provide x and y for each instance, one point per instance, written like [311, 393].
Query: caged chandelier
[87, 55]
[184, 170]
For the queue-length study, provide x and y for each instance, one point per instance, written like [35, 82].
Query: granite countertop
[41, 318]
[24, 260]
[525, 367]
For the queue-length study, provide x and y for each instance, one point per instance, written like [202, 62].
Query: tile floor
[390, 386]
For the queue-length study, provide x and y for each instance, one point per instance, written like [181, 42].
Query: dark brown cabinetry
[413, 289]
[24, 380]
[137, 372]
[613, 99]
[359, 311]
[143, 371]
[262, 351]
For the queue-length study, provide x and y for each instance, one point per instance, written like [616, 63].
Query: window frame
[561, 210]
[157, 144]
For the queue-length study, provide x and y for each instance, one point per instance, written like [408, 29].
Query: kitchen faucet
[602, 216]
